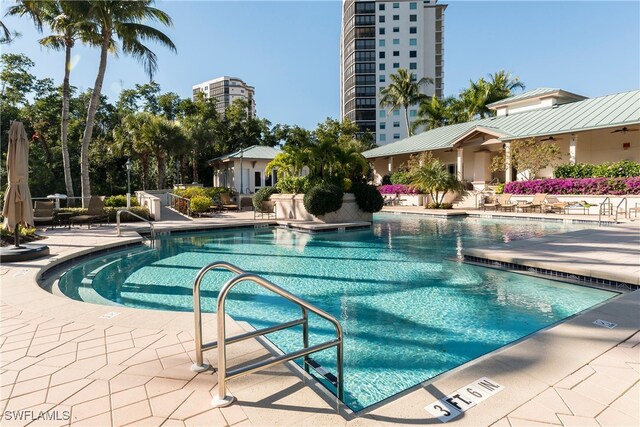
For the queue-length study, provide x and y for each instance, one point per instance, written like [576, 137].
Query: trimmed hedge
[322, 199]
[210, 192]
[200, 203]
[622, 169]
[262, 195]
[398, 189]
[111, 211]
[368, 197]
[586, 186]
[120, 201]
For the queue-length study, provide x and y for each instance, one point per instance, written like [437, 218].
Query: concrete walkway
[83, 364]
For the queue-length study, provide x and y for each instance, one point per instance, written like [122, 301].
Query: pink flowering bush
[398, 189]
[589, 186]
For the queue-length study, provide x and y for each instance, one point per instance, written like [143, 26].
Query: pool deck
[86, 364]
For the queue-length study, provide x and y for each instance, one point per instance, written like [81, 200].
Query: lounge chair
[246, 204]
[536, 203]
[44, 213]
[95, 213]
[499, 201]
[225, 201]
[268, 208]
[553, 204]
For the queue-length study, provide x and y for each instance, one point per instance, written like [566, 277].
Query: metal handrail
[624, 200]
[188, 203]
[602, 209]
[120, 211]
[224, 399]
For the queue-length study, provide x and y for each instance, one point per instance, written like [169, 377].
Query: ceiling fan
[551, 138]
[624, 130]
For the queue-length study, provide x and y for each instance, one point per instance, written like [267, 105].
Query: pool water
[408, 309]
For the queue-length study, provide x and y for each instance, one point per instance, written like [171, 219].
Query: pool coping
[379, 414]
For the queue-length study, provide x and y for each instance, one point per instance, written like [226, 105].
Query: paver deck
[78, 363]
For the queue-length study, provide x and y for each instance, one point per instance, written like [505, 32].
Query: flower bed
[398, 189]
[588, 186]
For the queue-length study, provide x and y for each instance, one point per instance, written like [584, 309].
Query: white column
[390, 164]
[507, 162]
[459, 165]
[573, 145]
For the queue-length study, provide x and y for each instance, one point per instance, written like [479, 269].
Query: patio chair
[268, 208]
[95, 213]
[554, 205]
[225, 201]
[536, 203]
[246, 204]
[44, 213]
[499, 201]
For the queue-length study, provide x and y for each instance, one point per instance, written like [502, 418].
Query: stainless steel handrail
[120, 211]
[624, 200]
[603, 207]
[224, 399]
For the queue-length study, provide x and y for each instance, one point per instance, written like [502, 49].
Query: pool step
[322, 372]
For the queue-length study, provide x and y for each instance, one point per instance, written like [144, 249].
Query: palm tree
[433, 178]
[502, 85]
[123, 21]
[434, 113]
[6, 35]
[403, 91]
[67, 20]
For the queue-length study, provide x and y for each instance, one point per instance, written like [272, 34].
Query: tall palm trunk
[406, 119]
[91, 114]
[195, 165]
[162, 169]
[65, 121]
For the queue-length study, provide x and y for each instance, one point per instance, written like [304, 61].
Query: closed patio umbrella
[17, 200]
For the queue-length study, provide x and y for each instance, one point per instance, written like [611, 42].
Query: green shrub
[346, 185]
[500, 188]
[120, 201]
[262, 195]
[200, 203]
[622, 169]
[111, 211]
[74, 211]
[292, 185]
[400, 178]
[143, 211]
[322, 199]
[439, 206]
[368, 197]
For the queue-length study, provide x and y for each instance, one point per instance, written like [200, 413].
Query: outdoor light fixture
[128, 183]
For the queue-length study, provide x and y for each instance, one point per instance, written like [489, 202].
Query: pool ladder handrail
[223, 398]
[153, 229]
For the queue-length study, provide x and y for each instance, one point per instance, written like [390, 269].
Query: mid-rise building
[225, 90]
[378, 37]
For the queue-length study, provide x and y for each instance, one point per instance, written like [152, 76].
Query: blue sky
[289, 50]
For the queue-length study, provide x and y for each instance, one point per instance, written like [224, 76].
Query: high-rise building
[378, 37]
[225, 90]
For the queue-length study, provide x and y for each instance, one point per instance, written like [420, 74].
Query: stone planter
[291, 206]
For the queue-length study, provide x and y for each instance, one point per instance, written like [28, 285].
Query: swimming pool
[409, 311]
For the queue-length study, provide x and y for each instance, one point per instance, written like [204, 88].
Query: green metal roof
[536, 93]
[594, 113]
[435, 139]
[260, 152]
[540, 91]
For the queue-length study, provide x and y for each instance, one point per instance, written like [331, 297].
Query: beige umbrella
[17, 200]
